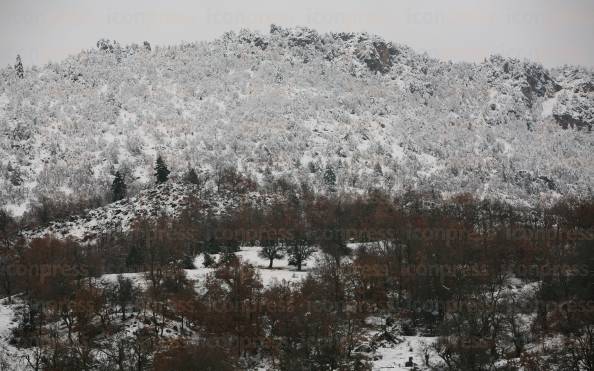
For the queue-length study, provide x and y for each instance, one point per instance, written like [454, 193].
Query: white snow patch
[17, 210]
[394, 358]
[548, 106]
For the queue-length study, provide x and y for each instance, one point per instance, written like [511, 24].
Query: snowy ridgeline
[288, 105]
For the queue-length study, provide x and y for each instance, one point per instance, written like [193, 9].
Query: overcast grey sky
[553, 32]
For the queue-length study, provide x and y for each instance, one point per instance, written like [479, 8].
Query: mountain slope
[288, 105]
[168, 200]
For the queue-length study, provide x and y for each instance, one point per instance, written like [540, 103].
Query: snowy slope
[168, 199]
[287, 105]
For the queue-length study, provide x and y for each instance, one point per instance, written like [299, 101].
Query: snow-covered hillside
[164, 200]
[289, 104]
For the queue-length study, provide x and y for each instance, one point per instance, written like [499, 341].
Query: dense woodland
[414, 197]
[424, 265]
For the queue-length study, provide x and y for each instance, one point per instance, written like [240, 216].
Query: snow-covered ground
[411, 346]
[279, 272]
[9, 355]
[280, 269]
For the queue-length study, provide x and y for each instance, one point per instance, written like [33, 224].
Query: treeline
[425, 266]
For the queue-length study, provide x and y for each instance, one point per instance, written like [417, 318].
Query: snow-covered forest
[295, 201]
[290, 105]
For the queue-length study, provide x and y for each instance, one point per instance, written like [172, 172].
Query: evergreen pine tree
[188, 262]
[191, 177]
[119, 189]
[208, 260]
[161, 170]
[135, 257]
[227, 257]
[212, 246]
[19, 67]
[330, 178]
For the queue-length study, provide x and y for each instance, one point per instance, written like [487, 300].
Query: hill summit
[290, 105]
